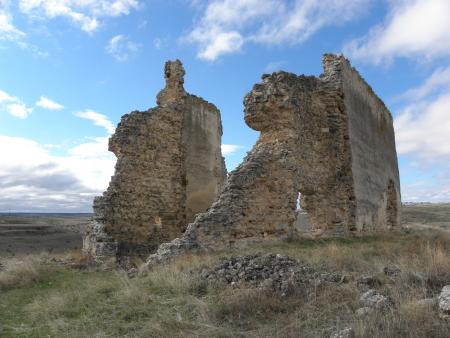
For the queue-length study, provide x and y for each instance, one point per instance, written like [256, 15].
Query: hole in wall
[302, 221]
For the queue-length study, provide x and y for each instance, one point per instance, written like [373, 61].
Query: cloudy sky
[70, 68]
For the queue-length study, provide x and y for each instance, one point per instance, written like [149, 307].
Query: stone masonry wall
[306, 147]
[374, 158]
[169, 167]
[205, 166]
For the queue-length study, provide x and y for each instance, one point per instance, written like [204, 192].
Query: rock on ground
[363, 311]
[277, 272]
[374, 299]
[444, 302]
[345, 333]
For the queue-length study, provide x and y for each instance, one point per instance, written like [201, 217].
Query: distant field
[427, 215]
[22, 234]
[57, 233]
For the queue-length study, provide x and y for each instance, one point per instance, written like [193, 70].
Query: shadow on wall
[392, 212]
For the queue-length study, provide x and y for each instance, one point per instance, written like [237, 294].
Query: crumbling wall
[205, 166]
[308, 144]
[374, 158]
[296, 152]
[169, 167]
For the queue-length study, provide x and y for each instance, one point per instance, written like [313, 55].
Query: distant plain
[22, 234]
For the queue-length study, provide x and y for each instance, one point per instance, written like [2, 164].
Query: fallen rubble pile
[270, 271]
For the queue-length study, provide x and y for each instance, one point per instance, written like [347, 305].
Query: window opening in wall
[302, 222]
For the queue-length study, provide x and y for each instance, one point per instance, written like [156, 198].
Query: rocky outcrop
[444, 302]
[326, 146]
[169, 168]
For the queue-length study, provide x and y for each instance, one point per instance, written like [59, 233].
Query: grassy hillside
[65, 297]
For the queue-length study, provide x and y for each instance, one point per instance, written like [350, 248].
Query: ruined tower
[169, 168]
[326, 146]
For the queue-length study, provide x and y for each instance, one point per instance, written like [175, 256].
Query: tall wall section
[144, 203]
[374, 158]
[169, 167]
[205, 166]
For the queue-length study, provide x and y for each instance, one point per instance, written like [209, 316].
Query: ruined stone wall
[205, 167]
[303, 147]
[309, 144]
[144, 204]
[169, 167]
[374, 158]
[296, 152]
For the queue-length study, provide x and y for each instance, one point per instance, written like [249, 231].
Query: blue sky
[70, 68]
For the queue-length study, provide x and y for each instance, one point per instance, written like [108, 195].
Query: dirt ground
[30, 234]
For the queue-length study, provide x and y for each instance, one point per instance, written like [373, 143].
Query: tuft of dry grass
[18, 272]
[47, 308]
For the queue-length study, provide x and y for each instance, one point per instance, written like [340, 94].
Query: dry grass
[39, 299]
[24, 271]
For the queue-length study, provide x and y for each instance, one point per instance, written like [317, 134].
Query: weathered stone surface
[169, 168]
[329, 140]
[275, 272]
[444, 302]
[345, 333]
[98, 243]
[363, 311]
[376, 300]
[375, 175]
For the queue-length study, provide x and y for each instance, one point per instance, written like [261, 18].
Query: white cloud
[424, 129]
[11, 33]
[46, 103]
[414, 28]
[7, 30]
[423, 126]
[426, 191]
[34, 180]
[423, 134]
[19, 110]
[222, 43]
[157, 43]
[439, 80]
[226, 25]
[86, 14]
[5, 97]
[121, 48]
[96, 155]
[98, 119]
[14, 106]
[228, 149]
